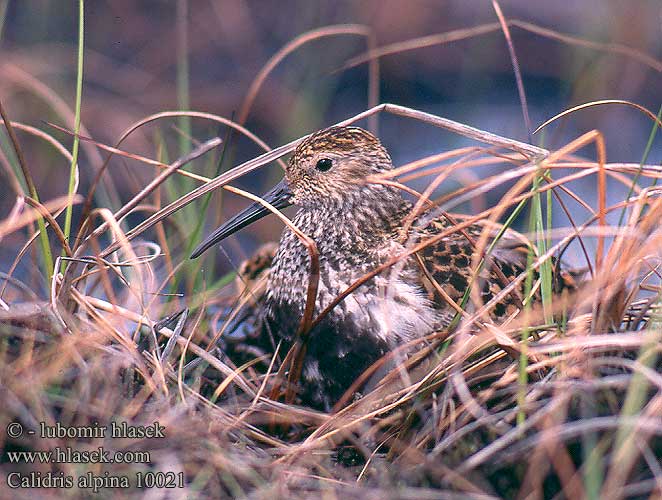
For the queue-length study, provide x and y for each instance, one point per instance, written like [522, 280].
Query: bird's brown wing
[448, 272]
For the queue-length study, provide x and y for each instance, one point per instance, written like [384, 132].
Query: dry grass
[449, 420]
[563, 399]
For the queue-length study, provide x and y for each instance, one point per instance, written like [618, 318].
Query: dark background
[132, 49]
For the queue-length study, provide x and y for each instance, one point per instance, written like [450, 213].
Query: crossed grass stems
[532, 166]
[557, 347]
[531, 162]
[393, 393]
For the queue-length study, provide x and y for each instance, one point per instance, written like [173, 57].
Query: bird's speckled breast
[382, 313]
[393, 306]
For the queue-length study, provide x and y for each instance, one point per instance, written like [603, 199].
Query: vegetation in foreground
[562, 399]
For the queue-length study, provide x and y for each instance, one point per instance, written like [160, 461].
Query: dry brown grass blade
[15, 74]
[228, 380]
[158, 180]
[67, 155]
[614, 48]
[516, 69]
[215, 183]
[424, 198]
[10, 174]
[421, 42]
[155, 117]
[293, 45]
[59, 147]
[56, 145]
[32, 190]
[531, 153]
[12, 224]
[527, 150]
[105, 147]
[602, 102]
[415, 167]
[45, 213]
[465, 33]
[64, 291]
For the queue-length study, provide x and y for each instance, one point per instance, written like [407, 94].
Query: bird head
[328, 168]
[333, 165]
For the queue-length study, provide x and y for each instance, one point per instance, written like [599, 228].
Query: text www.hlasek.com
[68, 455]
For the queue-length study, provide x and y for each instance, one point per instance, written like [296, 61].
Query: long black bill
[279, 196]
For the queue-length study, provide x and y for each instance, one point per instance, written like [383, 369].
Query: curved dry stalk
[527, 150]
[105, 147]
[119, 236]
[57, 103]
[423, 162]
[291, 46]
[151, 186]
[59, 147]
[215, 183]
[422, 42]
[45, 213]
[432, 186]
[158, 116]
[602, 102]
[464, 194]
[516, 69]
[32, 190]
[464, 33]
[64, 152]
[298, 350]
[55, 206]
[10, 174]
[236, 373]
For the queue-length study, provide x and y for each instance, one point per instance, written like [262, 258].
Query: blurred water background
[143, 57]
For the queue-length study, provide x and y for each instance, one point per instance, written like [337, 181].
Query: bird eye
[324, 164]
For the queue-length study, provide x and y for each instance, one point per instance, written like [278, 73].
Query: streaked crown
[334, 164]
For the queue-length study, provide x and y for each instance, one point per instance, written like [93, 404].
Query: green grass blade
[647, 150]
[46, 254]
[79, 94]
